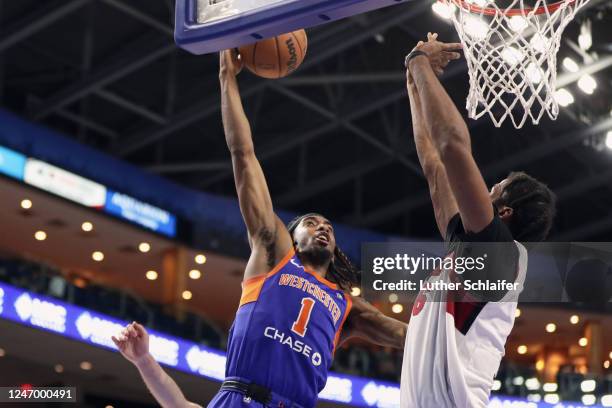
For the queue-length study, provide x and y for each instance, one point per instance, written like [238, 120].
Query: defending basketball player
[454, 345]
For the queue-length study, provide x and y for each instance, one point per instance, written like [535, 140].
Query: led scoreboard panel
[85, 192]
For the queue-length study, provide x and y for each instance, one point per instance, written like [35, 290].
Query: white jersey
[453, 349]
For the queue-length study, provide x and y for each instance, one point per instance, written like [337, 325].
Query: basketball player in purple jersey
[454, 344]
[294, 309]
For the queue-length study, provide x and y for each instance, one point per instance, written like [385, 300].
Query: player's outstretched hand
[133, 342]
[439, 54]
[230, 63]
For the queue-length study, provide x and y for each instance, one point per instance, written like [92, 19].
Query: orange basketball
[275, 57]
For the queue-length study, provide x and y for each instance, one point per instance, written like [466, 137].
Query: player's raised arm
[264, 228]
[451, 137]
[133, 343]
[367, 322]
[444, 203]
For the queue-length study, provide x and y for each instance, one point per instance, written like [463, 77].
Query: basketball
[275, 57]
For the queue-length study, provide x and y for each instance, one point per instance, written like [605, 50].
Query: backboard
[205, 26]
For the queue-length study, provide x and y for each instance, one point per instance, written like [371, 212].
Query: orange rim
[472, 8]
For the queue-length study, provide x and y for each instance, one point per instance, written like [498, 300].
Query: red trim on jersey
[464, 311]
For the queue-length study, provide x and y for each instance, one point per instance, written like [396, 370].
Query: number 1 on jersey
[301, 324]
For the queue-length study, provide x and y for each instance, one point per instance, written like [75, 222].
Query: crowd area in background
[356, 359]
[45, 280]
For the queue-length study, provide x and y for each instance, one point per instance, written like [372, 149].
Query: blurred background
[117, 201]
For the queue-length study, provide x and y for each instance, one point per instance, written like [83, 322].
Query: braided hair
[533, 207]
[341, 271]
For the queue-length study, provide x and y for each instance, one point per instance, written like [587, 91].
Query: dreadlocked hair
[533, 207]
[341, 270]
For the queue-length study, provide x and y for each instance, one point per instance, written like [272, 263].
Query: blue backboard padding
[248, 27]
[204, 210]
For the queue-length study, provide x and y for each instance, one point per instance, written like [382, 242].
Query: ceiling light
[606, 364]
[574, 319]
[539, 43]
[570, 65]
[588, 385]
[534, 73]
[517, 312]
[539, 365]
[518, 381]
[397, 308]
[151, 275]
[59, 368]
[40, 235]
[86, 365]
[87, 226]
[564, 97]
[355, 291]
[2, 352]
[444, 10]
[97, 256]
[550, 387]
[512, 56]
[475, 27]
[609, 139]
[518, 23]
[583, 342]
[196, 274]
[551, 327]
[200, 259]
[532, 384]
[585, 39]
[522, 349]
[587, 84]
[26, 204]
[144, 247]
[393, 297]
[187, 295]
[496, 385]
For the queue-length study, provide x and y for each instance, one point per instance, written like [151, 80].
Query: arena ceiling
[334, 137]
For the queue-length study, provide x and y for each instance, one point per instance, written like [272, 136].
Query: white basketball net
[512, 55]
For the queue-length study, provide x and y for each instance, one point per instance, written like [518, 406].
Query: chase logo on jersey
[297, 346]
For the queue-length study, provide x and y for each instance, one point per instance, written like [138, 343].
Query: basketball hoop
[511, 50]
